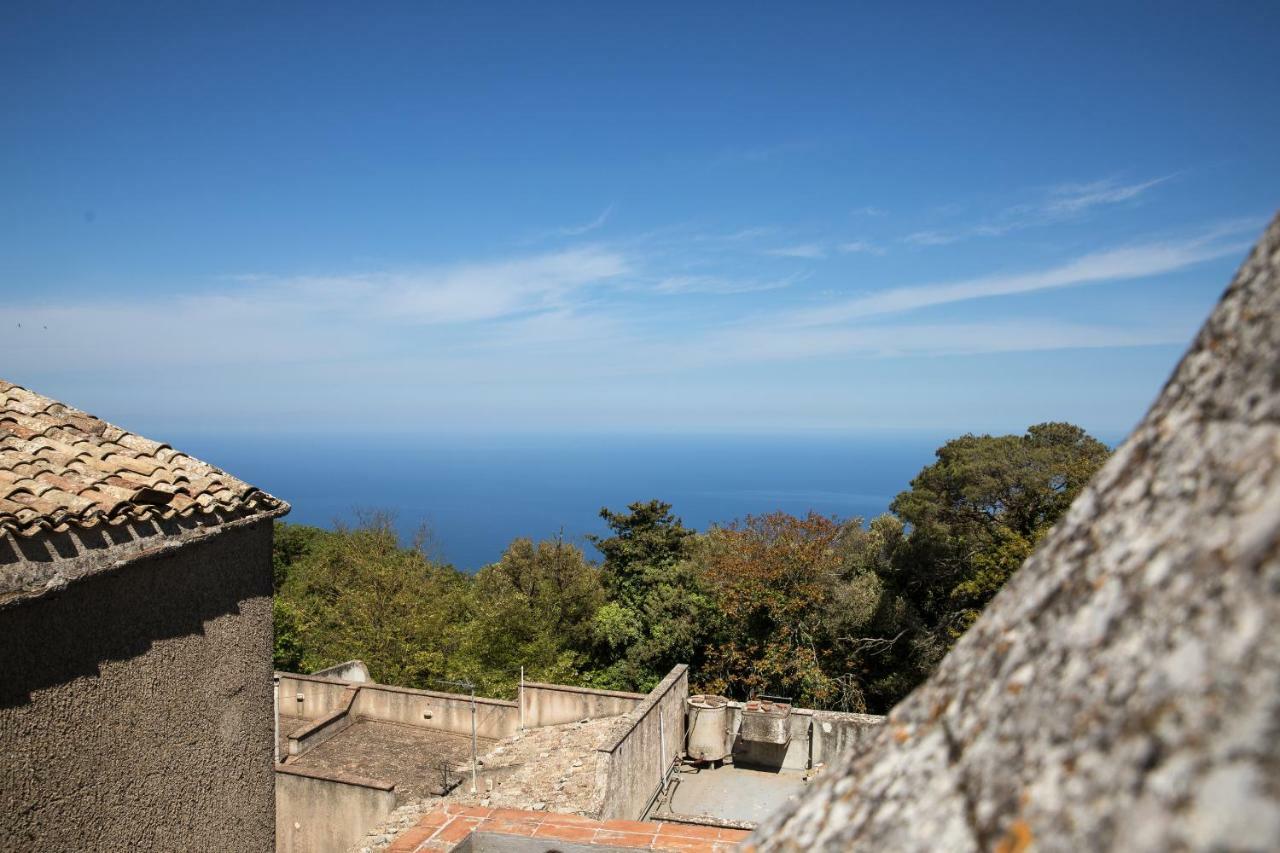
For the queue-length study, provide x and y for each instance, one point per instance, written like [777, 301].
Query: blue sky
[586, 218]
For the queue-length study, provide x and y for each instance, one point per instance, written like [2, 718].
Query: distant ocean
[477, 494]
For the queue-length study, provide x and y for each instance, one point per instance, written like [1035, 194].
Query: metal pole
[522, 698]
[473, 738]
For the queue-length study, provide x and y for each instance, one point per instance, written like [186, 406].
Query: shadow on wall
[119, 614]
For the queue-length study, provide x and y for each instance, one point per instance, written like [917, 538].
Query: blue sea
[476, 494]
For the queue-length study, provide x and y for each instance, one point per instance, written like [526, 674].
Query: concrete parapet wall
[552, 704]
[321, 729]
[634, 763]
[327, 813]
[309, 697]
[446, 712]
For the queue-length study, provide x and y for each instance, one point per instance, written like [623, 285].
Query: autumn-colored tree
[772, 578]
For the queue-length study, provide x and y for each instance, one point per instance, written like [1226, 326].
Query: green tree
[533, 608]
[291, 543]
[288, 650]
[977, 513]
[358, 594]
[658, 614]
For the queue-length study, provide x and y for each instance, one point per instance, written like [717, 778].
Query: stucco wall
[321, 813]
[552, 704]
[633, 765]
[310, 696]
[135, 704]
[446, 712]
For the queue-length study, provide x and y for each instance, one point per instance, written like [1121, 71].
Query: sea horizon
[476, 493]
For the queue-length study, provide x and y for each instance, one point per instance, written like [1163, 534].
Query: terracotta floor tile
[508, 827]
[566, 832]
[689, 830]
[521, 815]
[630, 826]
[643, 840]
[670, 844]
[469, 811]
[436, 818]
[569, 820]
[458, 829]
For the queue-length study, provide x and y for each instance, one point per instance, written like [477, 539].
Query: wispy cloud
[572, 230]
[588, 227]
[770, 342]
[1136, 261]
[457, 293]
[721, 284]
[1059, 203]
[933, 238]
[809, 251]
[1071, 199]
[860, 247]
[868, 210]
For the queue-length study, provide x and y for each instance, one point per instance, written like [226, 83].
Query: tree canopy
[836, 613]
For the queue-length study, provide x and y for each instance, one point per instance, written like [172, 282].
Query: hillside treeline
[837, 613]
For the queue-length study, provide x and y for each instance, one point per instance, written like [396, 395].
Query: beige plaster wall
[320, 813]
[632, 766]
[552, 704]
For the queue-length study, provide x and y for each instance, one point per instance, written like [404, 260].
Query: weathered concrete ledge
[324, 728]
[334, 776]
[589, 691]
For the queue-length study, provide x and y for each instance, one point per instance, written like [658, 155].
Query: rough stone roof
[61, 469]
[1123, 690]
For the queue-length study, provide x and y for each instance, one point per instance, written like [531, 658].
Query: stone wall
[135, 703]
[632, 765]
[552, 704]
[1122, 692]
[326, 813]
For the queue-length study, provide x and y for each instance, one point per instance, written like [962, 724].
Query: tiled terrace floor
[445, 827]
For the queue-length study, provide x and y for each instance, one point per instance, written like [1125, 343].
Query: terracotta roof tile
[62, 468]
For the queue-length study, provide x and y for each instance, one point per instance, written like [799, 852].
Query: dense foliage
[833, 612]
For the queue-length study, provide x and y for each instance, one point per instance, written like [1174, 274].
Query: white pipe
[275, 704]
